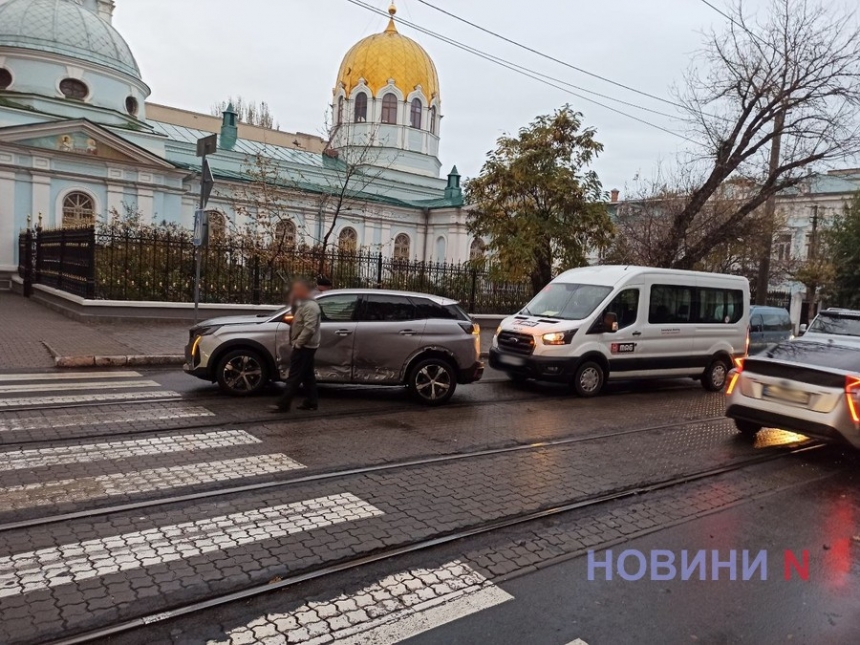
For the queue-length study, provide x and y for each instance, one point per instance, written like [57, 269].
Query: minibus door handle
[637, 333]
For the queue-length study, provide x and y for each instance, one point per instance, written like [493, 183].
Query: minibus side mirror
[610, 323]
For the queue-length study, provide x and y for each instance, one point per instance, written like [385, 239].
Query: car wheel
[747, 428]
[433, 381]
[716, 375]
[242, 372]
[588, 380]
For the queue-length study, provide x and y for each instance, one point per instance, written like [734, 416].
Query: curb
[137, 360]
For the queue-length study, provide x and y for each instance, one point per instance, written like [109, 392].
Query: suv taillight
[852, 397]
[736, 373]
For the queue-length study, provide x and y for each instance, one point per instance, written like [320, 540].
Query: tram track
[329, 475]
[482, 528]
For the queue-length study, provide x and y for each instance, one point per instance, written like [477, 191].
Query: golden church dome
[389, 55]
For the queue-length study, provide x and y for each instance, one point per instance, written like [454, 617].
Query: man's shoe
[308, 407]
[278, 409]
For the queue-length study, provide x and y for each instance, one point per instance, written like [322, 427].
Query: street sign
[206, 183]
[201, 228]
[207, 145]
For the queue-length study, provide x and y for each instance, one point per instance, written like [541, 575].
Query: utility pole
[811, 261]
[770, 212]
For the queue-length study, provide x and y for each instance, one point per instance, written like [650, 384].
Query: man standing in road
[305, 340]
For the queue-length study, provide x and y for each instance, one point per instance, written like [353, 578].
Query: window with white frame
[401, 247]
[347, 240]
[79, 210]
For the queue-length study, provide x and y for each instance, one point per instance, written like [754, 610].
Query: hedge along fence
[157, 264]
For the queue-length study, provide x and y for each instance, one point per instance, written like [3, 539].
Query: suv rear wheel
[242, 372]
[432, 381]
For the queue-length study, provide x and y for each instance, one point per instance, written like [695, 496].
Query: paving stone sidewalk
[32, 335]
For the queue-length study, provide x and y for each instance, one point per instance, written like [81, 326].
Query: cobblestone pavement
[363, 607]
[63, 577]
[29, 329]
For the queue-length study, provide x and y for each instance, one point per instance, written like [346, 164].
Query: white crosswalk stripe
[45, 568]
[142, 481]
[86, 399]
[82, 453]
[389, 611]
[64, 376]
[104, 418]
[86, 385]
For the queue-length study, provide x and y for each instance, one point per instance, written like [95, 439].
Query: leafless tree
[249, 112]
[792, 76]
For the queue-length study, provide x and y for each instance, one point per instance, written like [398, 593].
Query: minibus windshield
[567, 301]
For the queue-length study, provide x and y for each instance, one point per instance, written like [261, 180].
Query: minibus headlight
[558, 337]
[498, 330]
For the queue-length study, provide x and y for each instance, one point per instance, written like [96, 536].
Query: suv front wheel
[432, 381]
[242, 372]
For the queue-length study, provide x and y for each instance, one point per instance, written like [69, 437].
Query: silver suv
[369, 337]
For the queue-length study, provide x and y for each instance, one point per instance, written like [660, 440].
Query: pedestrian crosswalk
[105, 417]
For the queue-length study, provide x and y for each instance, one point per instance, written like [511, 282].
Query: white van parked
[598, 323]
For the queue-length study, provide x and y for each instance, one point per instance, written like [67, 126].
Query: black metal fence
[158, 265]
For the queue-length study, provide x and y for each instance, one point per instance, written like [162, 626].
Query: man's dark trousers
[301, 373]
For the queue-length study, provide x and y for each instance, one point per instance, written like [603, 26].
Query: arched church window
[340, 110]
[477, 250]
[72, 88]
[285, 235]
[78, 210]
[5, 78]
[217, 225]
[389, 109]
[360, 107]
[433, 120]
[347, 240]
[415, 115]
[401, 247]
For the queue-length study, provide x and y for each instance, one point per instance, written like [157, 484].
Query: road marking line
[111, 450]
[578, 641]
[142, 481]
[87, 398]
[102, 418]
[64, 376]
[25, 572]
[50, 387]
[388, 611]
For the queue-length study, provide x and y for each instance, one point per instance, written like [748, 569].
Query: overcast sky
[194, 53]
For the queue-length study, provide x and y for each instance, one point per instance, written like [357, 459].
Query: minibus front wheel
[589, 379]
[716, 375]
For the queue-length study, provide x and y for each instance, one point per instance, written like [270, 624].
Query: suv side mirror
[802, 330]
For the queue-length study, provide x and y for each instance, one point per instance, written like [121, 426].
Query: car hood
[535, 325]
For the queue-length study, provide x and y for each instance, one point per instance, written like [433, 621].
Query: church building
[79, 141]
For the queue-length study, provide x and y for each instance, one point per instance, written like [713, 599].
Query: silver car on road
[808, 387]
[369, 336]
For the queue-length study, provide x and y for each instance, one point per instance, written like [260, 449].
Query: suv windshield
[567, 301]
[836, 324]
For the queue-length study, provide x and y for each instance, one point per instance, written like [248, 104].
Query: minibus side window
[670, 304]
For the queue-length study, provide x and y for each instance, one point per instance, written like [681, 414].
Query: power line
[541, 78]
[734, 21]
[552, 58]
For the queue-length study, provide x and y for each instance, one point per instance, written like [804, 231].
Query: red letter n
[791, 562]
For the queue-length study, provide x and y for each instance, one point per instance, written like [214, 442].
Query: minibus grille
[516, 343]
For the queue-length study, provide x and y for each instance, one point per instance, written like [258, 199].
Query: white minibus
[601, 323]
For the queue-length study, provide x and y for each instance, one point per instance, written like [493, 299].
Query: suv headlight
[558, 337]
